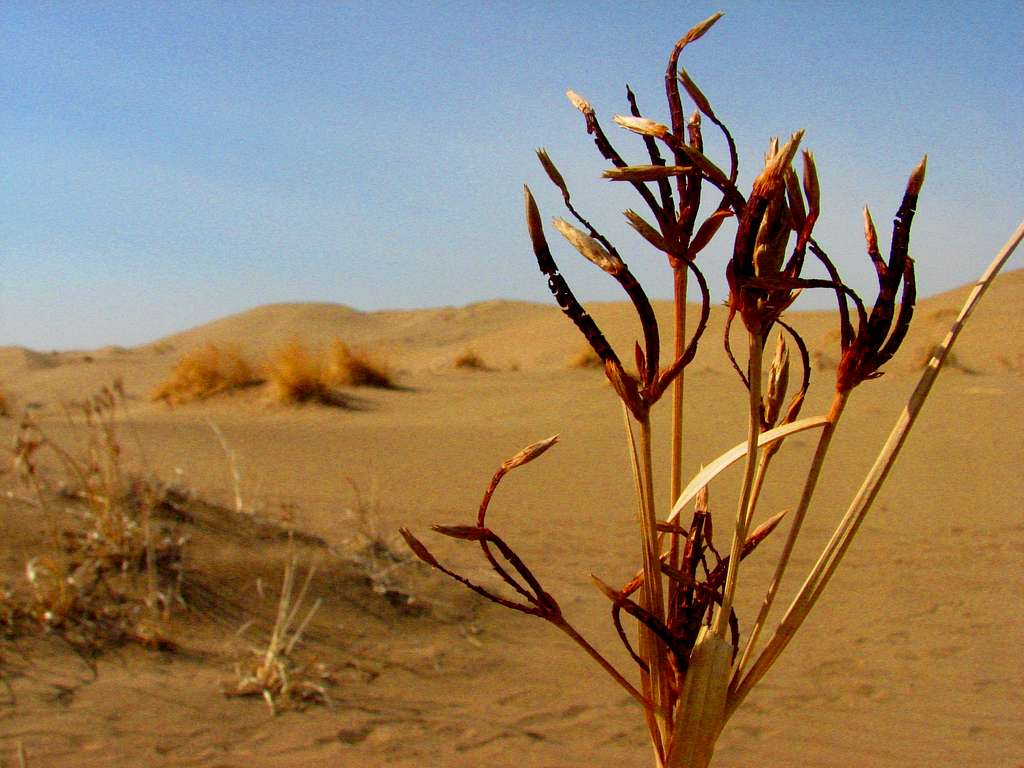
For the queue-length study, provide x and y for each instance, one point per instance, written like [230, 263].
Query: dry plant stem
[818, 461]
[823, 570]
[652, 650]
[678, 385]
[582, 642]
[744, 510]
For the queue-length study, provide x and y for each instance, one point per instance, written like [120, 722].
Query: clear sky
[164, 164]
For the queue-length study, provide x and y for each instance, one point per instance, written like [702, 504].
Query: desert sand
[912, 659]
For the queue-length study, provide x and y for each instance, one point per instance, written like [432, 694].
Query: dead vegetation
[291, 373]
[206, 371]
[469, 360]
[113, 558]
[347, 368]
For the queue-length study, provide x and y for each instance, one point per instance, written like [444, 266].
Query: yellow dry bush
[346, 368]
[205, 371]
[296, 376]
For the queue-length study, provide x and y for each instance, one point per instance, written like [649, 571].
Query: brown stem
[744, 510]
[824, 441]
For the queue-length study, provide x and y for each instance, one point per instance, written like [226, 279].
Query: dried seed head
[695, 93]
[536, 229]
[772, 237]
[580, 103]
[643, 126]
[775, 166]
[552, 172]
[870, 235]
[917, 177]
[699, 30]
[778, 382]
[795, 200]
[646, 172]
[529, 453]
[646, 231]
[589, 247]
[811, 188]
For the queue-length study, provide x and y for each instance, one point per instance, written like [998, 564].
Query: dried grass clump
[274, 671]
[694, 658]
[294, 375]
[204, 372]
[469, 360]
[107, 576]
[346, 368]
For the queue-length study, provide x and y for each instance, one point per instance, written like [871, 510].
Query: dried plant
[273, 671]
[295, 375]
[346, 368]
[469, 360]
[108, 576]
[206, 371]
[695, 662]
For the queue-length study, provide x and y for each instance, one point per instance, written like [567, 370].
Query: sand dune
[912, 659]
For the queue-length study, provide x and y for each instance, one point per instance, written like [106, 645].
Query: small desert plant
[273, 671]
[468, 360]
[695, 662]
[108, 575]
[346, 368]
[206, 371]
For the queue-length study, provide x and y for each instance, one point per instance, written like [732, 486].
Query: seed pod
[589, 247]
[643, 126]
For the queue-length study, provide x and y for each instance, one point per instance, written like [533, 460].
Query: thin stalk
[678, 386]
[823, 570]
[651, 648]
[656, 708]
[743, 510]
[605, 664]
[818, 461]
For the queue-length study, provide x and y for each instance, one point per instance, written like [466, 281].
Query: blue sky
[165, 164]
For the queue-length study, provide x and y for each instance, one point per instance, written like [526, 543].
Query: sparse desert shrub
[695, 663]
[108, 575]
[274, 671]
[206, 371]
[5, 404]
[346, 368]
[469, 360]
[294, 375]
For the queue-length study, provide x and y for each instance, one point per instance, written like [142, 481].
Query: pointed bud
[917, 177]
[870, 235]
[552, 172]
[580, 103]
[536, 229]
[772, 237]
[589, 247]
[795, 200]
[770, 178]
[698, 31]
[778, 382]
[643, 126]
[811, 189]
[695, 93]
[645, 230]
[645, 172]
[529, 453]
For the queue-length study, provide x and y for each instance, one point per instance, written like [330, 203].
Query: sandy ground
[912, 659]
